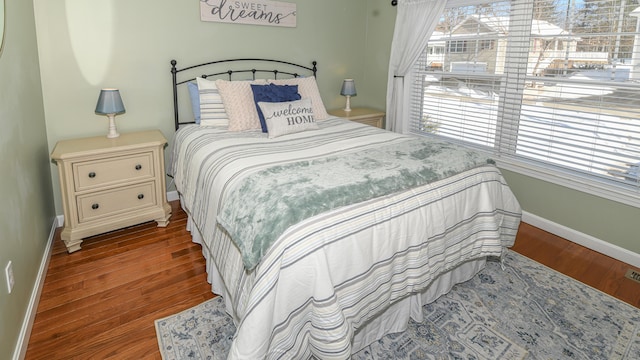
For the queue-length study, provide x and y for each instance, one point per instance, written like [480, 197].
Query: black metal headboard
[288, 69]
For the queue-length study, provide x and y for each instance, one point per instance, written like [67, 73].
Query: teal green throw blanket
[264, 204]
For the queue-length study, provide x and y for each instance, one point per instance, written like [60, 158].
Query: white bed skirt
[394, 319]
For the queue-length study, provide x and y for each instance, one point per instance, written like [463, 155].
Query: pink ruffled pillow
[239, 104]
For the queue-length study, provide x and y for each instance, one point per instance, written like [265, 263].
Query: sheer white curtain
[415, 21]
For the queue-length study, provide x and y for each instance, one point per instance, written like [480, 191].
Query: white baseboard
[27, 323]
[583, 239]
[172, 195]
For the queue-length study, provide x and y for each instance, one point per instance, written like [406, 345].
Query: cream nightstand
[108, 184]
[362, 115]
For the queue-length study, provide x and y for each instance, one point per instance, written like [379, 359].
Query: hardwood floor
[592, 268]
[101, 302]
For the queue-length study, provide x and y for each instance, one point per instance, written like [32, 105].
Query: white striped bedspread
[328, 276]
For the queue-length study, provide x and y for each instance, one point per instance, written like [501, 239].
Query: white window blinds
[550, 87]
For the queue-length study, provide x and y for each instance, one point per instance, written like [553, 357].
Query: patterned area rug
[526, 311]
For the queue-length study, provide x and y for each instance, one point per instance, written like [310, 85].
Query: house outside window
[548, 87]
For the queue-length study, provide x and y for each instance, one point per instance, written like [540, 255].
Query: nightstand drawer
[377, 122]
[361, 115]
[91, 174]
[112, 202]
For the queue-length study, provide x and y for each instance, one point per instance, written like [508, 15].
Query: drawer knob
[140, 196]
[138, 167]
[92, 174]
[95, 206]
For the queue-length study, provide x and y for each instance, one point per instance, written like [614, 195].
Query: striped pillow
[212, 112]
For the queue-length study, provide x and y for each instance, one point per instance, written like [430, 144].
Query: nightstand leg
[72, 245]
[164, 221]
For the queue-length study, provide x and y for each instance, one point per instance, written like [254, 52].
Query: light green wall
[85, 46]
[381, 18]
[27, 213]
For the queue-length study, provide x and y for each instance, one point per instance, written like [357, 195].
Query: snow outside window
[551, 88]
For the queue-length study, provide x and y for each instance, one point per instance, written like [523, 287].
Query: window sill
[603, 189]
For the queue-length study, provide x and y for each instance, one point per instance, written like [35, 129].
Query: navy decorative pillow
[273, 93]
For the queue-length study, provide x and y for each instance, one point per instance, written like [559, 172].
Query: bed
[324, 238]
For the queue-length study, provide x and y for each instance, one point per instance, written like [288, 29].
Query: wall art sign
[255, 12]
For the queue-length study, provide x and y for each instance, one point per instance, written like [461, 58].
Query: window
[485, 44]
[436, 50]
[457, 46]
[548, 87]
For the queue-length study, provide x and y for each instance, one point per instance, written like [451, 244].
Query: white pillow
[239, 104]
[288, 117]
[212, 111]
[307, 88]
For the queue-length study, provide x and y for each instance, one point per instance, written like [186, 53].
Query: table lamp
[110, 104]
[348, 90]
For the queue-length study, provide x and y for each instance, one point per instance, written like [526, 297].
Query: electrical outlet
[633, 275]
[8, 271]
